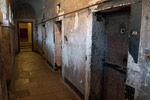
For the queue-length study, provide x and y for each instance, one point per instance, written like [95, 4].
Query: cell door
[58, 45]
[117, 34]
[44, 41]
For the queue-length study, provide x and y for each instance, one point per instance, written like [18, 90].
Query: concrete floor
[34, 80]
[25, 47]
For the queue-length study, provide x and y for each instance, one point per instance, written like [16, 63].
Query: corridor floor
[34, 80]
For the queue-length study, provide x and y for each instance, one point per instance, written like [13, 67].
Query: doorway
[25, 36]
[109, 55]
[44, 41]
[115, 65]
[58, 44]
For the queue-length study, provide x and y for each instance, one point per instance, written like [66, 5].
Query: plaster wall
[76, 48]
[138, 73]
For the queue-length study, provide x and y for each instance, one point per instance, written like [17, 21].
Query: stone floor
[25, 47]
[34, 80]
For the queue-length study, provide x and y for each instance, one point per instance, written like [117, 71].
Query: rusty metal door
[117, 34]
[44, 41]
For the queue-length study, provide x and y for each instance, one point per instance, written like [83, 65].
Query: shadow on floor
[34, 80]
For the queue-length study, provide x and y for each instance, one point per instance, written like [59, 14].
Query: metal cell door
[117, 33]
[44, 41]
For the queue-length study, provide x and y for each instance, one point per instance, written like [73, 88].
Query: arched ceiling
[37, 5]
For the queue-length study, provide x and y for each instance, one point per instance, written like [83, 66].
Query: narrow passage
[34, 80]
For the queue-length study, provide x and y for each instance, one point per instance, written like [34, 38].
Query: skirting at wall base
[74, 88]
[50, 64]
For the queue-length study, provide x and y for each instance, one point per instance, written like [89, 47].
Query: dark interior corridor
[25, 36]
[74, 49]
[34, 80]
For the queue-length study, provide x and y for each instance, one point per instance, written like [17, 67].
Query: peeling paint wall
[76, 62]
[75, 58]
[76, 50]
[139, 73]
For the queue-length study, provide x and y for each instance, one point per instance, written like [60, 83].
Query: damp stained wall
[138, 73]
[76, 50]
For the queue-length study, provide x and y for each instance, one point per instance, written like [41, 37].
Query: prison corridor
[35, 80]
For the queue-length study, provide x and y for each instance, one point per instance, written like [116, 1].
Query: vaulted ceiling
[37, 5]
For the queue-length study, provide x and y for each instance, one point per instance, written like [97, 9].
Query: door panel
[114, 84]
[117, 34]
[44, 41]
[58, 44]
